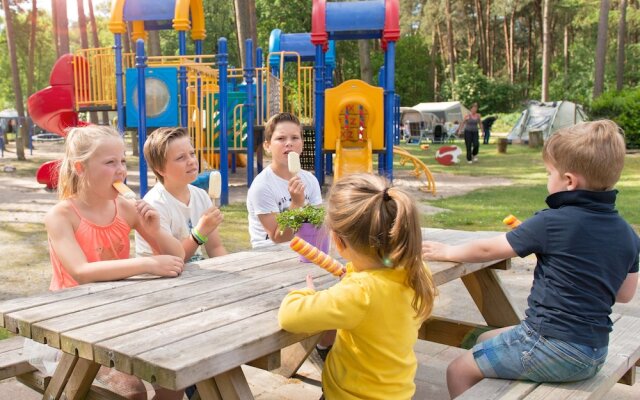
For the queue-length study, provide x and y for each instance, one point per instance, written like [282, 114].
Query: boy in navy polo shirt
[587, 260]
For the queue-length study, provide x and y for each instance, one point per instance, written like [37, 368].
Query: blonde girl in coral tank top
[89, 229]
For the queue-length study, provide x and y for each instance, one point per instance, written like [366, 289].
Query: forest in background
[500, 53]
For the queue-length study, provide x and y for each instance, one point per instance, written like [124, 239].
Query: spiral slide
[52, 109]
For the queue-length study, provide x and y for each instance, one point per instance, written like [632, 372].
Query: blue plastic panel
[354, 16]
[169, 115]
[149, 10]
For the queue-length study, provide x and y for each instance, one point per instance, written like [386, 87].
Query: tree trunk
[154, 43]
[507, 52]
[546, 49]
[450, 44]
[481, 38]
[32, 48]
[512, 41]
[488, 40]
[601, 49]
[245, 24]
[54, 24]
[21, 133]
[82, 25]
[622, 32]
[432, 63]
[530, 52]
[94, 27]
[365, 61]
[63, 26]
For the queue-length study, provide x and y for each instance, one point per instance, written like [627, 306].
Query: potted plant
[307, 223]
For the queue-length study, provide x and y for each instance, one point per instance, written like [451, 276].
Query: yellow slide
[351, 160]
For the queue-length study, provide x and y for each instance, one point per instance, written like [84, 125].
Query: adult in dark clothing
[487, 123]
[470, 126]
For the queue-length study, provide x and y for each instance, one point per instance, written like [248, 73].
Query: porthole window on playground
[157, 97]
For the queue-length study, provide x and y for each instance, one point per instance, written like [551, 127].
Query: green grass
[484, 209]
[4, 333]
[234, 231]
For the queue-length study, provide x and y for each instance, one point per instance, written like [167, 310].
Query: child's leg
[462, 373]
[492, 333]
[327, 338]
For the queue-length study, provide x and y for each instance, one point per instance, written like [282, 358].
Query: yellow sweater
[373, 356]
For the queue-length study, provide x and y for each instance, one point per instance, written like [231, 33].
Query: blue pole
[389, 100]
[319, 120]
[222, 82]
[259, 106]
[141, 65]
[119, 83]
[328, 81]
[182, 77]
[248, 76]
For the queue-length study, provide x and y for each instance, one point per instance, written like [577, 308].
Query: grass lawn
[484, 209]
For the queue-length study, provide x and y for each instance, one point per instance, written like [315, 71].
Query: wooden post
[502, 145]
[535, 139]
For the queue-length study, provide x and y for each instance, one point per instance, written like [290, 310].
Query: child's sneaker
[323, 353]
[475, 159]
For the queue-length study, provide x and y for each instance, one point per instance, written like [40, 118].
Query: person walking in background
[487, 123]
[470, 126]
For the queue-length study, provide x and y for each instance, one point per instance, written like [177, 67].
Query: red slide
[52, 109]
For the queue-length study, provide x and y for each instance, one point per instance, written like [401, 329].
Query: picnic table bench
[201, 327]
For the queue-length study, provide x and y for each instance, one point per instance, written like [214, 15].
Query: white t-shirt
[175, 216]
[270, 194]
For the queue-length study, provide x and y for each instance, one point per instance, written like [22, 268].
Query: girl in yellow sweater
[381, 301]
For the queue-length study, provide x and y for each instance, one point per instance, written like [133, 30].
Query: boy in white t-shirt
[275, 189]
[185, 210]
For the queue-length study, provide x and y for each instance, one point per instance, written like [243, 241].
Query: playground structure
[201, 93]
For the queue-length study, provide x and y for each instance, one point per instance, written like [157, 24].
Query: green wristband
[200, 238]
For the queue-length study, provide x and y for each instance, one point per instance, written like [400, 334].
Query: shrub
[623, 107]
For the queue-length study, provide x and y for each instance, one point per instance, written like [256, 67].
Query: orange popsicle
[316, 256]
[124, 190]
[511, 221]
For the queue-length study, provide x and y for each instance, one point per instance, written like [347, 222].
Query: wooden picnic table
[220, 313]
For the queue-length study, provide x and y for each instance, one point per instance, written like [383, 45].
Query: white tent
[546, 117]
[449, 111]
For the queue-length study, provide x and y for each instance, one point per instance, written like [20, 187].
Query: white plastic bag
[44, 358]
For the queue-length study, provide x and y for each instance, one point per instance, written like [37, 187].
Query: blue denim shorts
[522, 354]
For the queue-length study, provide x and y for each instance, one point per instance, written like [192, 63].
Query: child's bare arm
[628, 288]
[214, 245]
[270, 225]
[145, 219]
[63, 242]
[475, 251]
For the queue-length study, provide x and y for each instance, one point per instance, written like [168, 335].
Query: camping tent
[449, 111]
[546, 117]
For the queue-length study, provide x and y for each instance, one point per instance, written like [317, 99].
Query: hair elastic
[385, 194]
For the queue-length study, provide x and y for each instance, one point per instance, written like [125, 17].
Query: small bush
[622, 107]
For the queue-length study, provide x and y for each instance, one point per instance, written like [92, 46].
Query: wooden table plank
[218, 349]
[81, 340]
[120, 351]
[192, 283]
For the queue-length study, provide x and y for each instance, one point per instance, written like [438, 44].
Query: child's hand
[310, 284]
[164, 265]
[434, 250]
[148, 216]
[296, 190]
[210, 220]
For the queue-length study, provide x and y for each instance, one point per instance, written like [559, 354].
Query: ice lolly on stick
[316, 256]
[215, 185]
[124, 190]
[294, 162]
[511, 221]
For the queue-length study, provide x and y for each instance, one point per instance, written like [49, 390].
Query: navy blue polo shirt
[585, 251]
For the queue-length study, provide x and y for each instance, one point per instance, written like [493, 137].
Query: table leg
[293, 356]
[491, 298]
[81, 379]
[230, 385]
[60, 377]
